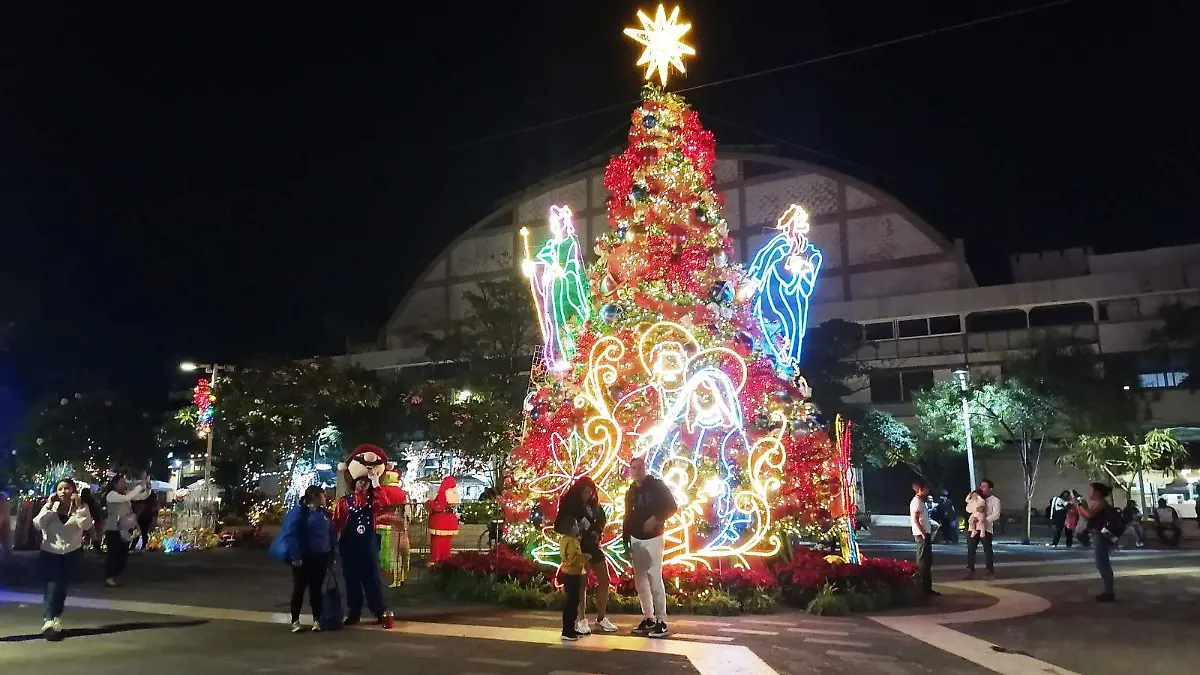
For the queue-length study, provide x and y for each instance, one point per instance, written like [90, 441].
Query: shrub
[828, 602]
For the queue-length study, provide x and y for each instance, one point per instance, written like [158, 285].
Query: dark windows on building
[898, 386]
[907, 328]
[1071, 314]
[1120, 309]
[880, 330]
[950, 324]
[996, 321]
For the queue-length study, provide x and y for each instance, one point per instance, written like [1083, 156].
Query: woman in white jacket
[62, 520]
[120, 524]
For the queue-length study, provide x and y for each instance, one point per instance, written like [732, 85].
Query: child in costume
[354, 520]
[443, 524]
[392, 527]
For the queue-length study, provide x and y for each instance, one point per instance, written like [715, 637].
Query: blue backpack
[281, 545]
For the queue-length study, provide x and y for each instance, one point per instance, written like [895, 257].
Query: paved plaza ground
[220, 611]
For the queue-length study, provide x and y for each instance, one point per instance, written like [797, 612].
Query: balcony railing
[975, 343]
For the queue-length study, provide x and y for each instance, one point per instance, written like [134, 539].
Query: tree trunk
[1028, 518]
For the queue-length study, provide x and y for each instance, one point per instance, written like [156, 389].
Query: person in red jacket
[443, 524]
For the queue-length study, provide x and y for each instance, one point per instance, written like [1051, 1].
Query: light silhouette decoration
[663, 348]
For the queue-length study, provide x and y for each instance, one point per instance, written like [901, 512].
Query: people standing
[918, 515]
[1096, 510]
[354, 522]
[948, 517]
[63, 520]
[146, 512]
[582, 502]
[572, 568]
[305, 541]
[95, 534]
[992, 504]
[648, 505]
[120, 523]
[1166, 522]
[1056, 512]
[1133, 521]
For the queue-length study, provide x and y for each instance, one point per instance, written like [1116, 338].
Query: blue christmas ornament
[649, 121]
[721, 292]
[610, 312]
[640, 192]
[622, 233]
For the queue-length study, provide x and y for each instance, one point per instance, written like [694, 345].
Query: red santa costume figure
[354, 521]
[443, 524]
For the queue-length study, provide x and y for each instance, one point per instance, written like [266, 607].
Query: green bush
[761, 602]
[478, 512]
[829, 602]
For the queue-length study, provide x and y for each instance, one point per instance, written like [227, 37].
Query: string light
[204, 399]
[559, 286]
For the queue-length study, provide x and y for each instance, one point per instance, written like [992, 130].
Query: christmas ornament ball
[650, 121]
[640, 192]
[610, 312]
[721, 291]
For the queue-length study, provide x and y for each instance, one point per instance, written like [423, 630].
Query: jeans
[56, 569]
[117, 554]
[1101, 548]
[988, 557]
[309, 576]
[647, 557]
[925, 562]
[572, 585]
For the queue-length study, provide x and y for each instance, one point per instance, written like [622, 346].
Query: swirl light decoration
[665, 349]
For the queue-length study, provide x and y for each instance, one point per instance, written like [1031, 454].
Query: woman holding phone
[63, 520]
[120, 524]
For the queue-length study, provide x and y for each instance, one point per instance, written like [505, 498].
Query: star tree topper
[662, 38]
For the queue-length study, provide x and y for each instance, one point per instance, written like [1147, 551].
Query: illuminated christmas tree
[668, 350]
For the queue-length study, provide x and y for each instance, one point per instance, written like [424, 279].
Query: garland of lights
[204, 399]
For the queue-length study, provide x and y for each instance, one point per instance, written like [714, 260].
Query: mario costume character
[354, 520]
[443, 524]
[392, 527]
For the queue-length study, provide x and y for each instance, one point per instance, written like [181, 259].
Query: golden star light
[662, 38]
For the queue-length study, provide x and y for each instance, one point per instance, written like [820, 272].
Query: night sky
[232, 182]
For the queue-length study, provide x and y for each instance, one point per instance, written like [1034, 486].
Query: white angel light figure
[559, 284]
[785, 273]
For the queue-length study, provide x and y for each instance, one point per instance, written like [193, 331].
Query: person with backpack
[1056, 514]
[305, 541]
[1104, 525]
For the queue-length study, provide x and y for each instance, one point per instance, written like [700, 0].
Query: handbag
[332, 610]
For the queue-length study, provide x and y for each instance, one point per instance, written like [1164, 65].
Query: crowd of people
[1091, 520]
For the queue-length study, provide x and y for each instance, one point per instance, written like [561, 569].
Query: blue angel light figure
[559, 284]
[785, 273]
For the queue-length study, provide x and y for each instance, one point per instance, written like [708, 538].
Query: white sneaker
[296, 627]
[582, 627]
[58, 625]
[48, 625]
[606, 625]
[316, 628]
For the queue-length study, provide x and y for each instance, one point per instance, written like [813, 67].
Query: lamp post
[964, 383]
[213, 369]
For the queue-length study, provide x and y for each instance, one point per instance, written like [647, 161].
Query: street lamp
[964, 383]
[213, 369]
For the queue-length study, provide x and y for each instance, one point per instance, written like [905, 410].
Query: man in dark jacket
[648, 505]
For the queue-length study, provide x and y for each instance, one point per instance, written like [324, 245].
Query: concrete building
[923, 313]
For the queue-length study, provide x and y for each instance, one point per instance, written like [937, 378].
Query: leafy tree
[1116, 458]
[1180, 332]
[267, 414]
[476, 413]
[494, 342]
[89, 431]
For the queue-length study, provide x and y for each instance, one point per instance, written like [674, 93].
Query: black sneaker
[659, 630]
[1106, 597]
[571, 636]
[351, 621]
[644, 627]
